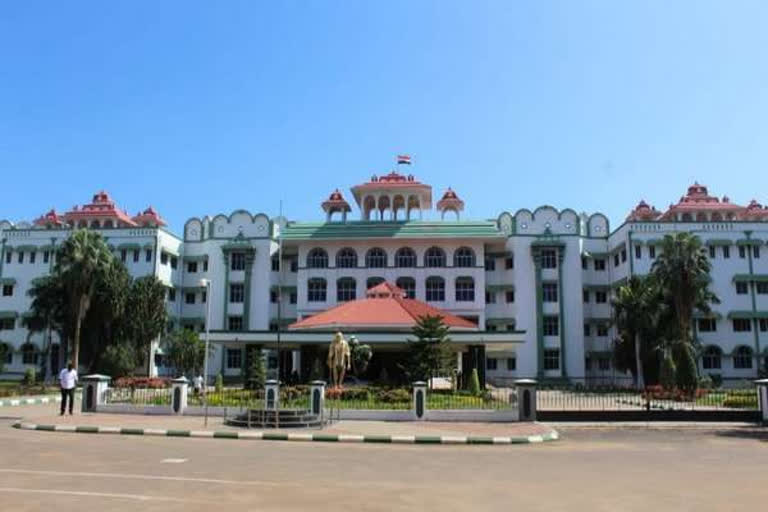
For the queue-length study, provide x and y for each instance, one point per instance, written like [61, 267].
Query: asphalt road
[589, 469]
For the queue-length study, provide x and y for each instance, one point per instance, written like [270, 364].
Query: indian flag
[403, 159]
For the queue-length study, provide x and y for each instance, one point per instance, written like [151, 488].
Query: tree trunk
[639, 364]
[76, 338]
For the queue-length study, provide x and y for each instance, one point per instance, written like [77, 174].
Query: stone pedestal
[317, 397]
[180, 389]
[94, 392]
[271, 395]
[762, 399]
[419, 400]
[526, 399]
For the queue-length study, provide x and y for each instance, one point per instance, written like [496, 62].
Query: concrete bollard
[317, 397]
[762, 399]
[526, 399]
[94, 392]
[419, 400]
[180, 389]
[271, 395]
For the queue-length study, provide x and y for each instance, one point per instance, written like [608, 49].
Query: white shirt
[198, 382]
[67, 378]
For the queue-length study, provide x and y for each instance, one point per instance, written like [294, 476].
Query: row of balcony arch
[435, 290]
[405, 257]
[712, 358]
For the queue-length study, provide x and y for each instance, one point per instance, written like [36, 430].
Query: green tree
[682, 270]
[474, 383]
[186, 351]
[117, 360]
[429, 354]
[637, 309]
[361, 356]
[81, 261]
[146, 314]
[255, 371]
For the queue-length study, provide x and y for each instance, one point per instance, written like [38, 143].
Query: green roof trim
[172, 252]
[548, 242]
[48, 247]
[283, 321]
[498, 254]
[600, 353]
[192, 288]
[653, 241]
[594, 254]
[24, 248]
[499, 287]
[186, 320]
[198, 257]
[7, 280]
[149, 245]
[745, 314]
[758, 278]
[402, 229]
[718, 241]
[9, 314]
[282, 288]
[749, 241]
[129, 247]
[597, 287]
[500, 320]
[713, 314]
[238, 246]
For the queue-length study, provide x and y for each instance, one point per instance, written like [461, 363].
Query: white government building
[528, 292]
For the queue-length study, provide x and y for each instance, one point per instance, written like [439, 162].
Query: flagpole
[279, 290]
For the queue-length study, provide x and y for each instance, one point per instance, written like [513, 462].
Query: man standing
[67, 381]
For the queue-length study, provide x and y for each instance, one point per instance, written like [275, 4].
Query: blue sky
[205, 107]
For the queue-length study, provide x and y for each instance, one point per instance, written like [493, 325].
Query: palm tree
[81, 262]
[148, 317]
[636, 309]
[682, 270]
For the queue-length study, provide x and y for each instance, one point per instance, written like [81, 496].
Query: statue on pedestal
[339, 358]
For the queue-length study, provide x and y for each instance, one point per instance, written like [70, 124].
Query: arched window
[373, 281]
[346, 258]
[464, 257]
[317, 258]
[108, 224]
[29, 354]
[408, 285]
[716, 217]
[742, 358]
[465, 289]
[434, 257]
[82, 224]
[687, 217]
[435, 289]
[346, 289]
[405, 258]
[376, 258]
[316, 290]
[95, 224]
[712, 358]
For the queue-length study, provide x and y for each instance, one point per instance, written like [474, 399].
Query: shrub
[142, 382]
[717, 380]
[668, 370]
[219, 384]
[742, 402]
[705, 382]
[394, 395]
[29, 377]
[383, 378]
[118, 360]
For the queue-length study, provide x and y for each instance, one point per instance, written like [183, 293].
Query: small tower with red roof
[450, 203]
[149, 218]
[336, 203]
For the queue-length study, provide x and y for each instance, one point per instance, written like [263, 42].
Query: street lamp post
[207, 284]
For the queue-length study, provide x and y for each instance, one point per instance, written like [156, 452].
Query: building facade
[536, 284]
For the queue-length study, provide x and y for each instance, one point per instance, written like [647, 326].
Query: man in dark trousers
[67, 381]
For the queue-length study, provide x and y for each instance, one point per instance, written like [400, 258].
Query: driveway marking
[144, 477]
[137, 497]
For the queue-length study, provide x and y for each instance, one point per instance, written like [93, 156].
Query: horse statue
[339, 357]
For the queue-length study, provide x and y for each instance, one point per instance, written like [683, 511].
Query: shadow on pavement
[758, 433]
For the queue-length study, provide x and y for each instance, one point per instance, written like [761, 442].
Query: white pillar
[94, 392]
[271, 395]
[317, 397]
[419, 400]
[762, 399]
[180, 391]
[526, 399]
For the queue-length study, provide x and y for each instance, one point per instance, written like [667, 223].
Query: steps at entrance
[284, 418]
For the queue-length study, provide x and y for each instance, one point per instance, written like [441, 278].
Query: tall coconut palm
[682, 270]
[637, 308]
[81, 262]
